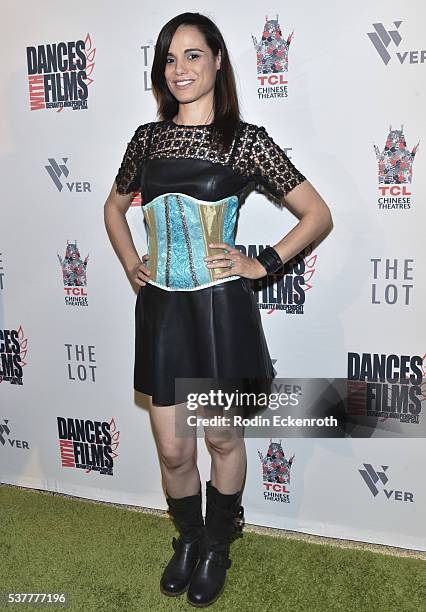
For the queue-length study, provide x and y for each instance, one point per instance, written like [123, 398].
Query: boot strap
[179, 544]
[232, 518]
[218, 558]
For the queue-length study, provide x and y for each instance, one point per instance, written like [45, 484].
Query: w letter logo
[382, 38]
[372, 477]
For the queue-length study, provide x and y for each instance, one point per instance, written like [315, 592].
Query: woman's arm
[314, 220]
[115, 209]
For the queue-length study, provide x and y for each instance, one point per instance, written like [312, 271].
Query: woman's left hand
[243, 265]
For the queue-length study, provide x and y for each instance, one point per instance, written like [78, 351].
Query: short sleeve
[128, 177]
[270, 166]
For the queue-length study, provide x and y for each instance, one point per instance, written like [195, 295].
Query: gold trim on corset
[212, 220]
[149, 214]
[206, 236]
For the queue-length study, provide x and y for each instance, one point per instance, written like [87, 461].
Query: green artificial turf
[108, 558]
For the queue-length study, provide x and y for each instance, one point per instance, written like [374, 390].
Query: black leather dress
[188, 324]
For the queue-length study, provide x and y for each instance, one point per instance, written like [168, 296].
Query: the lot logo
[272, 60]
[88, 445]
[81, 362]
[58, 171]
[375, 479]
[74, 275]
[13, 352]
[59, 74]
[148, 54]
[383, 38]
[276, 473]
[5, 437]
[393, 281]
[395, 171]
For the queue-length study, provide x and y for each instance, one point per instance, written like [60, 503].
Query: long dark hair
[225, 106]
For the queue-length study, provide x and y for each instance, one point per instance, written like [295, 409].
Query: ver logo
[372, 477]
[382, 38]
[57, 171]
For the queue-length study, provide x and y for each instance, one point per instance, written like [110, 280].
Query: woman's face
[190, 66]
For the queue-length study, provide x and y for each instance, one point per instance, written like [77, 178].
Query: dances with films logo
[74, 275]
[286, 290]
[13, 352]
[395, 171]
[88, 445]
[272, 60]
[385, 386]
[60, 74]
[276, 473]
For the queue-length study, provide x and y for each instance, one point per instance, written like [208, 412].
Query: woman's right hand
[140, 274]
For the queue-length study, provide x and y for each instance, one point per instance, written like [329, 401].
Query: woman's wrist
[131, 264]
[270, 260]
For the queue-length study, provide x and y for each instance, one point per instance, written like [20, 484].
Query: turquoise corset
[180, 229]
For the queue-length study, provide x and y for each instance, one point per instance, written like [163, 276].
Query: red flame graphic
[115, 434]
[90, 55]
[23, 344]
[310, 261]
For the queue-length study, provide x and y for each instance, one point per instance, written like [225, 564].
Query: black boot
[224, 519]
[188, 518]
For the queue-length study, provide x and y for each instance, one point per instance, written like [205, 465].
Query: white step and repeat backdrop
[345, 102]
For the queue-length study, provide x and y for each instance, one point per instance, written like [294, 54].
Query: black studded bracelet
[270, 260]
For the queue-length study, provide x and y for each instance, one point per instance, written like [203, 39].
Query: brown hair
[225, 105]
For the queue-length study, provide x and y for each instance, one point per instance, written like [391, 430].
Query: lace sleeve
[270, 166]
[128, 177]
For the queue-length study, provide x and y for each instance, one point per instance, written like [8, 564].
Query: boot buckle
[239, 520]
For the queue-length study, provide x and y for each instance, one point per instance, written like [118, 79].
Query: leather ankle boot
[188, 518]
[224, 519]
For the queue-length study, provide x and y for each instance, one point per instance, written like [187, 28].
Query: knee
[176, 458]
[222, 447]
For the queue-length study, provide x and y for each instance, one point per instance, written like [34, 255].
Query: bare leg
[229, 459]
[177, 454]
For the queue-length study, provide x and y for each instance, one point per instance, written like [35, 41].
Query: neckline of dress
[201, 125]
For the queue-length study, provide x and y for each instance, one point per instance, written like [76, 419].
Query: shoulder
[143, 134]
[250, 128]
[143, 129]
[253, 133]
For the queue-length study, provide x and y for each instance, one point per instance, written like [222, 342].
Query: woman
[196, 314]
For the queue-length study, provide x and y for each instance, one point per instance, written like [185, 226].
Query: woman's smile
[183, 83]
